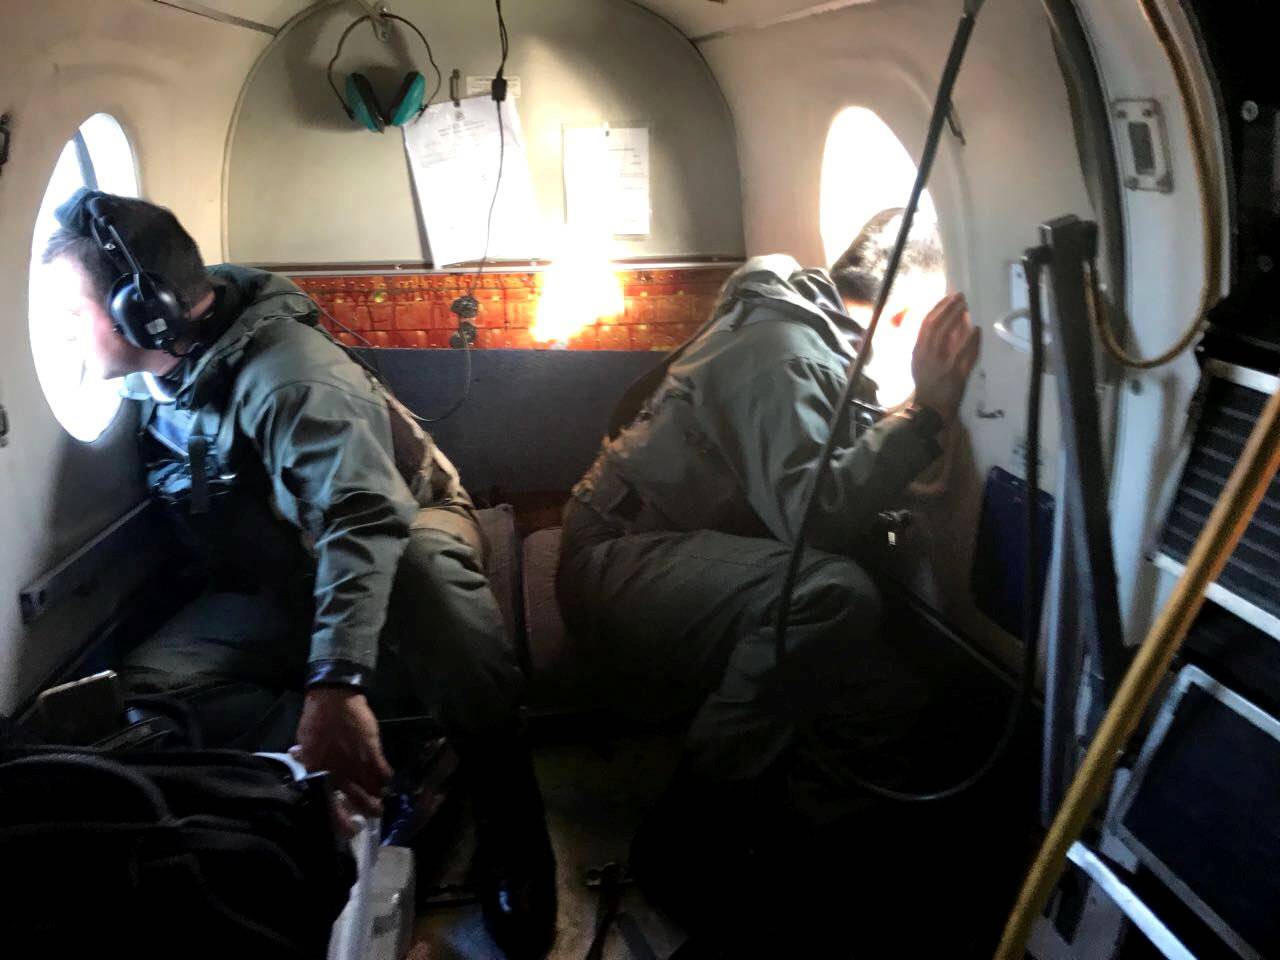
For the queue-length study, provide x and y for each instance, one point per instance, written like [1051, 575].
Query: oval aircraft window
[867, 176]
[98, 156]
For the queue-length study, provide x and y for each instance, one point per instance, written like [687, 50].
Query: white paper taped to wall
[453, 153]
[606, 179]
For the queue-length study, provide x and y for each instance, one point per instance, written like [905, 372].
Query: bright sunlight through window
[98, 156]
[866, 174]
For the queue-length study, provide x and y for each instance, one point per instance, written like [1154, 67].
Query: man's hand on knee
[339, 733]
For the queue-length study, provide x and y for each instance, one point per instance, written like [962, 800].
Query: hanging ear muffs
[361, 102]
[145, 308]
[408, 101]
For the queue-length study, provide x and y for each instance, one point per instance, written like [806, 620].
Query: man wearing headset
[340, 550]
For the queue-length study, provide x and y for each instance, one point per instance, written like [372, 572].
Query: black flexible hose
[941, 110]
[941, 107]
[1032, 584]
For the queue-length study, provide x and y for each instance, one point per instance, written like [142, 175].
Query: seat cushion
[559, 679]
[544, 627]
[502, 567]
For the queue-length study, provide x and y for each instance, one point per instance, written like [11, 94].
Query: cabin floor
[916, 880]
[596, 796]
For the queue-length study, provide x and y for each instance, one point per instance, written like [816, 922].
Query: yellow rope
[1210, 209]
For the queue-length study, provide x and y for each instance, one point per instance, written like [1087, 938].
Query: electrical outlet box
[478, 85]
[1144, 145]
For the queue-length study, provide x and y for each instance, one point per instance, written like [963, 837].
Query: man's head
[859, 271]
[83, 274]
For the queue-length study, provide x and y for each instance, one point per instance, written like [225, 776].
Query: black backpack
[187, 854]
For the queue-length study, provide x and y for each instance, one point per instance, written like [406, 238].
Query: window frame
[70, 405]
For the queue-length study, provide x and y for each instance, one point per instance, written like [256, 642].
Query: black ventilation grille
[1253, 572]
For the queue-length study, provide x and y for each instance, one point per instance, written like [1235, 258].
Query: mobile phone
[83, 711]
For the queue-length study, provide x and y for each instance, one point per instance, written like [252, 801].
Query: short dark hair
[860, 270]
[155, 238]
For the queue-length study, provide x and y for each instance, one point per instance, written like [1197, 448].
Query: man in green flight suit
[340, 551]
[676, 539]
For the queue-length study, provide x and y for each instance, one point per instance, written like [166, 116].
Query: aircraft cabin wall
[171, 81]
[307, 186]
[295, 160]
[1018, 166]
[738, 146]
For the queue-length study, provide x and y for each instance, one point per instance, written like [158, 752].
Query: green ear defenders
[361, 102]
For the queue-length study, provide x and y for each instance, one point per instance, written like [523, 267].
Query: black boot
[515, 868]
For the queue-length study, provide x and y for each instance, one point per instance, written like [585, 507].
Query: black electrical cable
[499, 92]
[376, 371]
[462, 308]
[1032, 582]
[466, 387]
[468, 306]
[493, 203]
[937, 121]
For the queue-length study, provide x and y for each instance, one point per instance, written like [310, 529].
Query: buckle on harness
[198, 455]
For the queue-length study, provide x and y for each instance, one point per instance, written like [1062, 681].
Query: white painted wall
[171, 79]
[1166, 270]
[307, 185]
[785, 83]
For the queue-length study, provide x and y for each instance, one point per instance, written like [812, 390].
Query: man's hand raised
[339, 733]
[945, 353]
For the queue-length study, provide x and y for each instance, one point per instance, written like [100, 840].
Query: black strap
[198, 456]
[634, 938]
[606, 908]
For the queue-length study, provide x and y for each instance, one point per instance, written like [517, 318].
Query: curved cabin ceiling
[696, 18]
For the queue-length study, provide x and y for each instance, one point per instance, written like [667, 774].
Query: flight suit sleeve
[772, 431]
[327, 452]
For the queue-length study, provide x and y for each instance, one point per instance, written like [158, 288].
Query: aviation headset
[361, 103]
[145, 308]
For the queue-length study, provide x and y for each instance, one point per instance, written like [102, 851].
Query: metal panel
[1161, 937]
[78, 572]
[1085, 627]
[1246, 611]
[1189, 677]
[1227, 404]
[1072, 242]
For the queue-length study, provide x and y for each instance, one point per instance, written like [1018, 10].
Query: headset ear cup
[121, 306]
[363, 102]
[408, 101]
[149, 319]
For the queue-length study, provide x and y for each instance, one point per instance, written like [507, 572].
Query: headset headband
[389, 16]
[113, 244]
